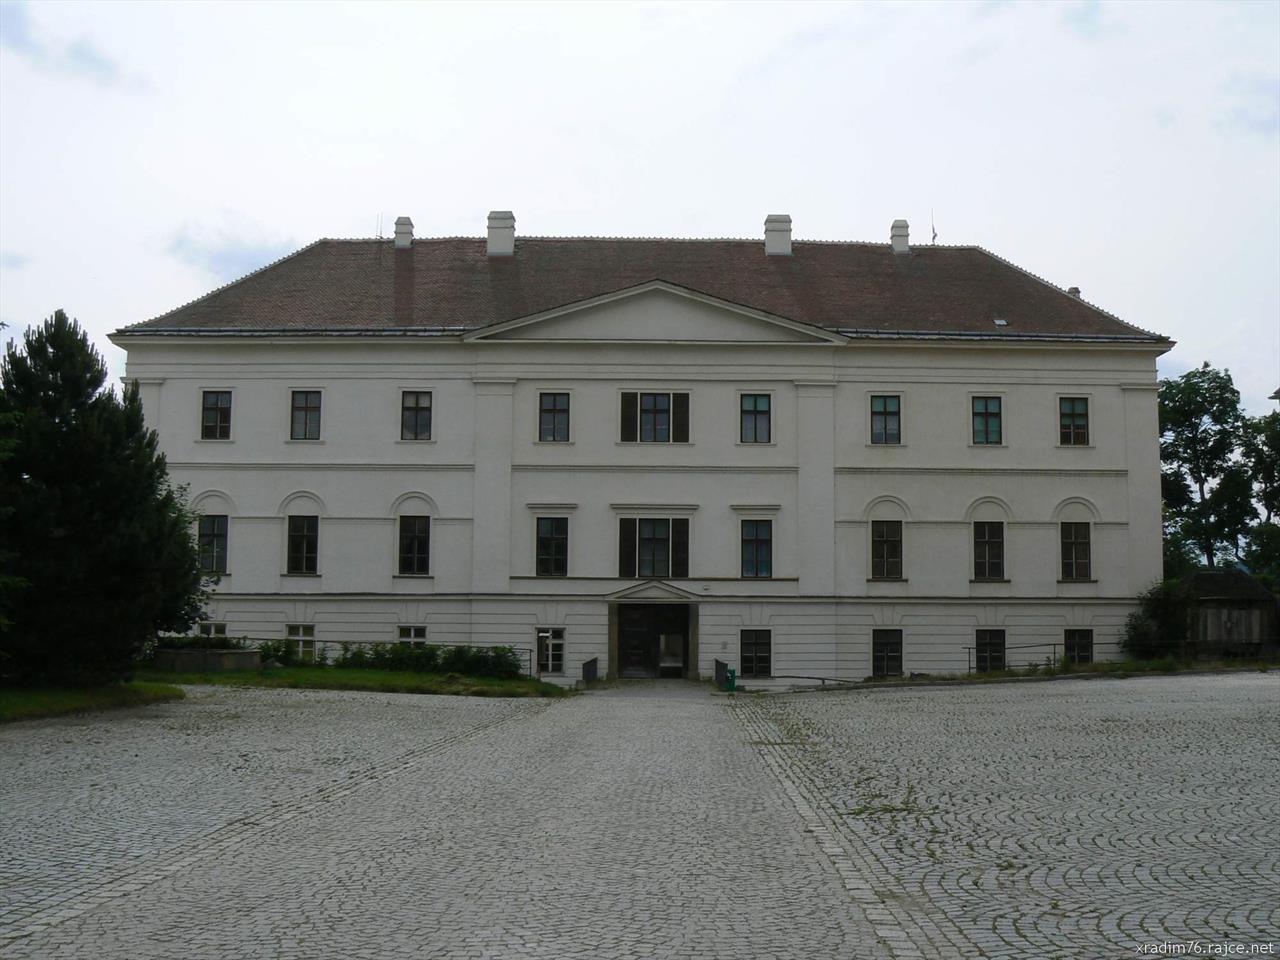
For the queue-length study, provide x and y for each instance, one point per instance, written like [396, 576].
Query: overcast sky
[150, 152]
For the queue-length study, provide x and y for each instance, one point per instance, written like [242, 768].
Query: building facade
[802, 459]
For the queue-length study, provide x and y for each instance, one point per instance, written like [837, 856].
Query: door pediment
[656, 590]
[656, 312]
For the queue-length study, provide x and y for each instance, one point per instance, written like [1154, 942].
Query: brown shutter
[630, 418]
[627, 545]
[680, 546]
[679, 418]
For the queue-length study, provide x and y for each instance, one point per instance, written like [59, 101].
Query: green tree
[1206, 489]
[1260, 448]
[99, 535]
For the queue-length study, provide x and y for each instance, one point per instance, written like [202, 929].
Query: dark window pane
[679, 418]
[630, 415]
[886, 653]
[215, 415]
[989, 650]
[886, 419]
[986, 420]
[1078, 646]
[553, 417]
[654, 548]
[213, 543]
[655, 418]
[304, 542]
[756, 654]
[886, 549]
[627, 547]
[757, 548]
[988, 550]
[415, 415]
[756, 418]
[415, 545]
[1073, 421]
[1076, 558]
[553, 547]
[305, 420]
[680, 547]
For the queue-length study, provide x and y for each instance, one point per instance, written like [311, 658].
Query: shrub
[1158, 628]
[461, 660]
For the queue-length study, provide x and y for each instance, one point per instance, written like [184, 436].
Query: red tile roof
[863, 288]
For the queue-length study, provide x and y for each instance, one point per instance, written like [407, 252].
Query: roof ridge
[1053, 286]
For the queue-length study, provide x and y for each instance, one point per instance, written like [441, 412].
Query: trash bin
[731, 680]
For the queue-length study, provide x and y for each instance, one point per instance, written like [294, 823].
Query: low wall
[207, 661]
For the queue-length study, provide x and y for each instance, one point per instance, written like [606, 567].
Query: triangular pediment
[654, 590]
[656, 312]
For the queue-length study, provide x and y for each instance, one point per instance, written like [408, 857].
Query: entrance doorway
[653, 639]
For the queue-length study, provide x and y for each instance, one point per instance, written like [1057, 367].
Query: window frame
[872, 413]
[883, 658]
[304, 634]
[679, 409]
[759, 635]
[1069, 642]
[629, 563]
[982, 640]
[555, 417]
[551, 539]
[229, 408]
[755, 545]
[305, 410]
[987, 417]
[743, 413]
[411, 634]
[1069, 569]
[1073, 427]
[887, 561]
[299, 569]
[215, 537]
[986, 558]
[413, 554]
[551, 640]
[213, 629]
[417, 411]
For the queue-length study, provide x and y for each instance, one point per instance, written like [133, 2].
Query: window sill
[653, 443]
[992, 580]
[756, 443]
[895, 580]
[1075, 446]
[213, 440]
[896, 446]
[555, 443]
[753, 579]
[311, 576]
[413, 576]
[1078, 580]
[300, 440]
[987, 446]
[401, 440]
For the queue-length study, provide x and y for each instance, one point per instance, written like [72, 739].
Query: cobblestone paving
[305, 824]
[1077, 819]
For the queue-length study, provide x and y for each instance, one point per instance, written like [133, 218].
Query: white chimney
[898, 237]
[777, 235]
[502, 233]
[404, 233]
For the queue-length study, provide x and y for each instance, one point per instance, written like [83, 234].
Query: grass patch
[28, 703]
[378, 681]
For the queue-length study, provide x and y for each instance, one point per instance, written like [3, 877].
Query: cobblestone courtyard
[1077, 819]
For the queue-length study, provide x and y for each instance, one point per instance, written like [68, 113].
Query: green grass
[26, 703]
[381, 681]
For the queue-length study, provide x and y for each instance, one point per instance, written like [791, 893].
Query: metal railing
[1050, 660]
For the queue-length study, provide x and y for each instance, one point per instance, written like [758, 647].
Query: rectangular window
[886, 419]
[653, 547]
[551, 650]
[304, 544]
[215, 415]
[304, 634]
[213, 543]
[757, 548]
[655, 418]
[305, 420]
[415, 545]
[1075, 551]
[412, 635]
[415, 415]
[988, 550]
[886, 549]
[886, 653]
[986, 420]
[216, 630]
[989, 650]
[553, 417]
[553, 547]
[1078, 646]
[756, 418]
[1073, 421]
[756, 657]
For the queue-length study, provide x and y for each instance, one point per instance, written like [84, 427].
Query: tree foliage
[1158, 628]
[1205, 481]
[98, 535]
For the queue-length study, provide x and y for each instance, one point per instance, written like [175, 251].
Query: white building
[804, 459]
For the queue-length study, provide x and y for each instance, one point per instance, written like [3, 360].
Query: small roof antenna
[932, 227]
